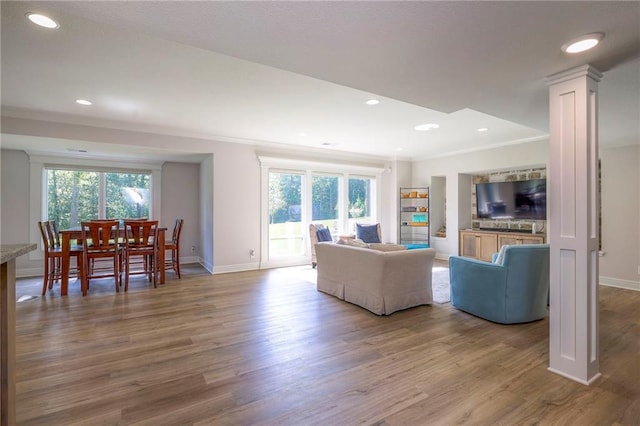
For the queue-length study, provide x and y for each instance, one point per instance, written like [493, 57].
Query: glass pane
[360, 209]
[127, 195]
[285, 214]
[72, 196]
[325, 198]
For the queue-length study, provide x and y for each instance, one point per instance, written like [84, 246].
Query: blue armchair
[514, 289]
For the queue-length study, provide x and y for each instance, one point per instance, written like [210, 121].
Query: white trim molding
[618, 283]
[235, 268]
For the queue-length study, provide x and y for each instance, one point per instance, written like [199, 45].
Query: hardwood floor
[264, 347]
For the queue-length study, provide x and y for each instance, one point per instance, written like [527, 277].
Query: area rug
[440, 284]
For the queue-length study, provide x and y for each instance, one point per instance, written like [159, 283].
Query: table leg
[66, 263]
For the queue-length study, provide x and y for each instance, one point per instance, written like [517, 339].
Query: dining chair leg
[84, 277]
[45, 282]
[57, 262]
[116, 273]
[126, 272]
[80, 265]
[176, 260]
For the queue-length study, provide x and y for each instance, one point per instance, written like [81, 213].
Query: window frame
[39, 164]
[311, 168]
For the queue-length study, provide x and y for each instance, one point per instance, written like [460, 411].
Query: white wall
[14, 203]
[180, 192]
[229, 193]
[206, 208]
[236, 214]
[179, 196]
[620, 199]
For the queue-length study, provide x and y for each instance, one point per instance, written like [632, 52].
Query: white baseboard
[616, 282]
[29, 272]
[285, 263]
[236, 268]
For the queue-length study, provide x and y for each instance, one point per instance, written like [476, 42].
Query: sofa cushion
[323, 235]
[353, 243]
[367, 233]
[386, 247]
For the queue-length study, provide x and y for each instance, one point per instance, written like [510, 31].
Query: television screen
[525, 199]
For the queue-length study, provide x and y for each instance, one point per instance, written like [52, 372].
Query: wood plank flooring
[264, 347]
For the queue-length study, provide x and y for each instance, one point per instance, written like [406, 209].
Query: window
[361, 198]
[285, 214]
[73, 196]
[325, 201]
[296, 193]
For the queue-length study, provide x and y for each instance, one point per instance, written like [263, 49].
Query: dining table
[66, 235]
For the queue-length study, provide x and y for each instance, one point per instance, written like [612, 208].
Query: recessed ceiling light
[372, 102]
[482, 129]
[426, 127]
[83, 102]
[42, 20]
[399, 149]
[302, 134]
[582, 43]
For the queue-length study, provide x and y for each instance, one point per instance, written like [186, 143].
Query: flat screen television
[525, 199]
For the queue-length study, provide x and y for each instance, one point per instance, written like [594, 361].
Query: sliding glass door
[285, 214]
[297, 193]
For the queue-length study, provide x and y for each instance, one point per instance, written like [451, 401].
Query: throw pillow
[324, 235]
[367, 233]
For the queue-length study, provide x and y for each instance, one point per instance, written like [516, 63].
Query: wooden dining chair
[173, 262]
[53, 255]
[141, 250]
[100, 240]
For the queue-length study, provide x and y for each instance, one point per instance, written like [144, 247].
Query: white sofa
[381, 281]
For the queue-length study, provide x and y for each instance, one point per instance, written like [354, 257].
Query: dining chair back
[100, 240]
[173, 262]
[52, 231]
[53, 255]
[140, 250]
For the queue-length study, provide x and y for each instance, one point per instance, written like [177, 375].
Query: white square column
[573, 223]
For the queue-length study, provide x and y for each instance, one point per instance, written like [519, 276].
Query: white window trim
[37, 183]
[309, 168]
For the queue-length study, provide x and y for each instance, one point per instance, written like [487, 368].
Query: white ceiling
[263, 72]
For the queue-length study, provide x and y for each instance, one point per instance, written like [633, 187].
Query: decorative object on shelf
[414, 217]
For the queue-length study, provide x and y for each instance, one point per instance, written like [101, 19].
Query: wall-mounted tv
[526, 199]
